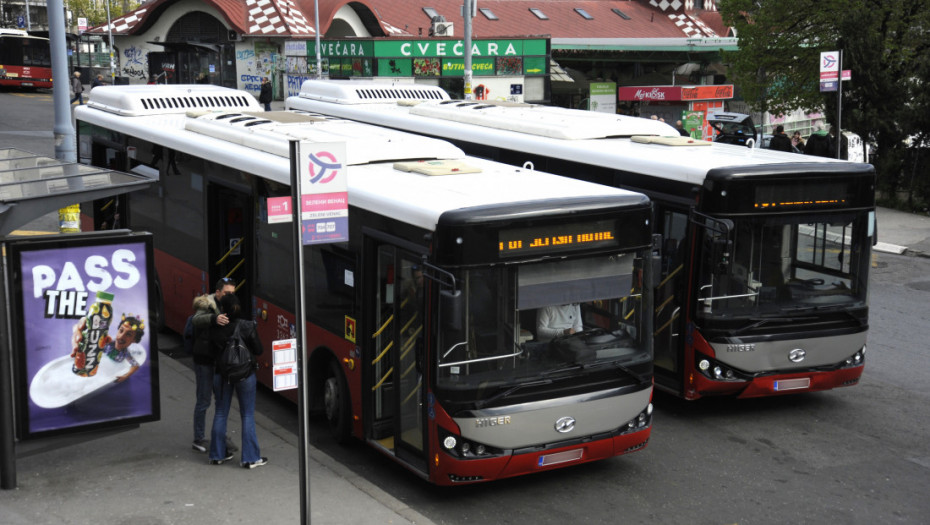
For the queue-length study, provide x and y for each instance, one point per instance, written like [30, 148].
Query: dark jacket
[247, 330]
[819, 144]
[265, 95]
[205, 312]
[781, 142]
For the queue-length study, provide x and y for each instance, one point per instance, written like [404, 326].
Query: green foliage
[884, 43]
[96, 12]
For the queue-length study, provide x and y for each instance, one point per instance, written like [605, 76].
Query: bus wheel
[336, 403]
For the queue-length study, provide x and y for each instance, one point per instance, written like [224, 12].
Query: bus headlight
[717, 371]
[461, 448]
[640, 422]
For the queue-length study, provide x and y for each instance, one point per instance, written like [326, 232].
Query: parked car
[734, 128]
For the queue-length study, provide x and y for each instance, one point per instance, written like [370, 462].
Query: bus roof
[228, 127]
[433, 101]
[556, 132]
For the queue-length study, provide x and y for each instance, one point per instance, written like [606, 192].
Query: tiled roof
[405, 18]
[646, 18]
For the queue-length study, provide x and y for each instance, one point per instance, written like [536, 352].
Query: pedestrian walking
[780, 141]
[265, 96]
[77, 89]
[98, 82]
[244, 390]
[819, 143]
[207, 315]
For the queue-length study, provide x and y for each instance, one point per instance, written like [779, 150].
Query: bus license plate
[560, 457]
[27, 84]
[792, 384]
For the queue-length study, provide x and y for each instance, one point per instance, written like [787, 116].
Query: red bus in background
[25, 61]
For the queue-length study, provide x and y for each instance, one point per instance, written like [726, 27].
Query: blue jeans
[204, 375]
[79, 97]
[245, 393]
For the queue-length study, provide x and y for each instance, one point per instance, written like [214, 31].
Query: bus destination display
[557, 238]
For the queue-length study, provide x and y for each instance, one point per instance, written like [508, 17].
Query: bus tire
[336, 403]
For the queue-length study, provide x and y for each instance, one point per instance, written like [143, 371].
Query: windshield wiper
[623, 368]
[500, 395]
[759, 321]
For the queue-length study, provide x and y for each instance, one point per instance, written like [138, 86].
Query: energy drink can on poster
[94, 335]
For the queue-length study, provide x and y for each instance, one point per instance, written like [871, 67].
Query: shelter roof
[33, 185]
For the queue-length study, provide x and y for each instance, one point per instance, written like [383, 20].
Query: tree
[884, 43]
[96, 12]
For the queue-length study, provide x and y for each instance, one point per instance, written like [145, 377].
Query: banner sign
[649, 93]
[85, 340]
[707, 92]
[324, 186]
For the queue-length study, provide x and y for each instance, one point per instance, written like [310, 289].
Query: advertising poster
[85, 344]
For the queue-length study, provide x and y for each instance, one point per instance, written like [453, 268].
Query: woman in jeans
[245, 390]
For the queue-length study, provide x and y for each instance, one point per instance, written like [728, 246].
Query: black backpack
[235, 362]
[188, 336]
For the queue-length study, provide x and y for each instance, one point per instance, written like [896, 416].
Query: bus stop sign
[324, 192]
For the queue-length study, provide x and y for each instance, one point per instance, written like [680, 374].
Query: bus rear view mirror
[450, 304]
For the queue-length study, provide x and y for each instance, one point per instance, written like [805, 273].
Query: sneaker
[221, 461]
[200, 445]
[256, 464]
[230, 447]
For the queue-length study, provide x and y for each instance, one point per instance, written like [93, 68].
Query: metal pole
[110, 46]
[303, 392]
[839, 108]
[63, 130]
[466, 14]
[28, 18]
[319, 59]
[7, 414]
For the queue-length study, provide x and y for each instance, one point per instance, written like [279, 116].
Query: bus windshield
[776, 265]
[517, 323]
[20, 51]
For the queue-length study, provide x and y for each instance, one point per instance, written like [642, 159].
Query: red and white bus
[25, 61]
[422, 331]
[763, 287]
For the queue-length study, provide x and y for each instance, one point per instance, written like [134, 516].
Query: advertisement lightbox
[84, 342]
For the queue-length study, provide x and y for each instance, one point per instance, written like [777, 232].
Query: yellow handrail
[223, 258]
[663, 327]
[410, 322]
[669, 276]
[414, 391]
[383, 379]
[409, 368]
[665, 302]
[385, 325]
[388, 347]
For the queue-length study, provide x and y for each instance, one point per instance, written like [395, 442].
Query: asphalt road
[852, 455]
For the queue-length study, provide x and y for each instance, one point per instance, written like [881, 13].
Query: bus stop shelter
[32, 186]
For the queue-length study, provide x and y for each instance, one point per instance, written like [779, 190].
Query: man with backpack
[207, 317]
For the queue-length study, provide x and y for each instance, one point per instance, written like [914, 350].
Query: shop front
[690, 104]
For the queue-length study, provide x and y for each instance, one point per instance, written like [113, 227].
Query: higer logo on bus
[328, 167]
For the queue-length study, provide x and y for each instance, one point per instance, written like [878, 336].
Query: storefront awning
[32, 185]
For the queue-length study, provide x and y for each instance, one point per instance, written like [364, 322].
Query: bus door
[230, 236]
[395, 304]
[669, 296]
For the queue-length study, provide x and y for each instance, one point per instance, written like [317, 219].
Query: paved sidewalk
[149, 475]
